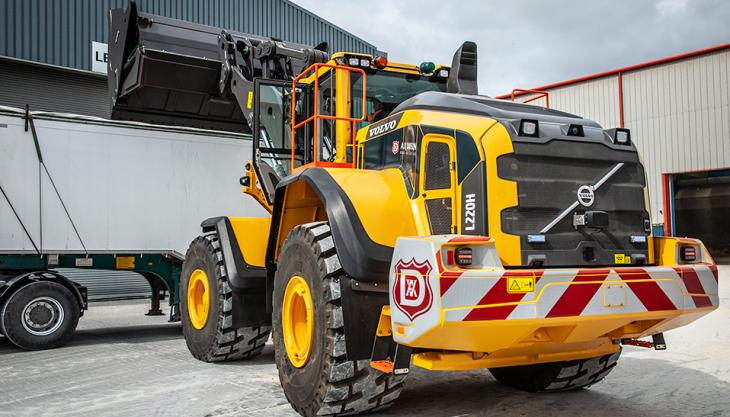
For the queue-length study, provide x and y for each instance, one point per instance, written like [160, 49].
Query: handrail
[539, 94]
[316, 115]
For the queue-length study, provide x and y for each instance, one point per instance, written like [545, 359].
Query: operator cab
[331, 103]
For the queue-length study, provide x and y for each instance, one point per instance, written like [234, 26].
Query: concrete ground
[122, 363]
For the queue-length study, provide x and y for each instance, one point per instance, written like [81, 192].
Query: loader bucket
[166, 71]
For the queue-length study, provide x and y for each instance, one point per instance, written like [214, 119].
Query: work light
[536, 238]
[638, 239]
[622, 136]
[528, 128]
[353, 61]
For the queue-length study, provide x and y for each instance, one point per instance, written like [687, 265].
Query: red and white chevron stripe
[428, 291]
[480, 295]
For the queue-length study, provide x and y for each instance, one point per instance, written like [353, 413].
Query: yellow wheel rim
[297, 316]
[198, 298]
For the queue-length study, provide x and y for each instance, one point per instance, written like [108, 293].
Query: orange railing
[538, 95]
[316, 117]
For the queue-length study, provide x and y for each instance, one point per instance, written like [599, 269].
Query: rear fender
[314, 195]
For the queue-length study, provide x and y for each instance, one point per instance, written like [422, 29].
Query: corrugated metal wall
[678, 113]
[52, 89]
[102, 284]
[60, 32]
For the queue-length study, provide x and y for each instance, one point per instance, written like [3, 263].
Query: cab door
[438, 182]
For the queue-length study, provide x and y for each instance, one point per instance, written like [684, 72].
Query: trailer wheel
[40, 315]
[206, 308]
[309, 337]
[557, 376]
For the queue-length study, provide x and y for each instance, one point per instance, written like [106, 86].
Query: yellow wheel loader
[411, 221]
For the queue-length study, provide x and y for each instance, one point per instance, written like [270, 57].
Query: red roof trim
[626, 69]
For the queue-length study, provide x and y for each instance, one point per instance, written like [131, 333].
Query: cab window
[396, 149]
[385, 90]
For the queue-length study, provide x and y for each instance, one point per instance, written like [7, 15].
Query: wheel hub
[42, 316]
[198, 298]
[298, 321]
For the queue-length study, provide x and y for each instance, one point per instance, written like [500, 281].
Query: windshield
[386, 90]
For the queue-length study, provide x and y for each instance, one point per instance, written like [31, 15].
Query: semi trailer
[412, 221]
[81, 196]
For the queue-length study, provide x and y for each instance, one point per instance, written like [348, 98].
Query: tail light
[689, 253]
[463, 256]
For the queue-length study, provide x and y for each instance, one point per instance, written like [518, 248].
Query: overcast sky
[528, 43]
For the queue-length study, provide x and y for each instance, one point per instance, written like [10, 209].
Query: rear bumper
[535, 312]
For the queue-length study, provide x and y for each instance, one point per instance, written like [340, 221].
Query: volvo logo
[585, 195]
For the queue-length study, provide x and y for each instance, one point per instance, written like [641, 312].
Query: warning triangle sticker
[514, 286]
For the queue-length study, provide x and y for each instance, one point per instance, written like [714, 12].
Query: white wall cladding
[678, 113]
[679, 116]
[595, 99]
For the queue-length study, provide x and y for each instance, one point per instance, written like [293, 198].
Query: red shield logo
[395, 147]
[412, 291]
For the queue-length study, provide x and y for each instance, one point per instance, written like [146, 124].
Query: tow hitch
[657, 342]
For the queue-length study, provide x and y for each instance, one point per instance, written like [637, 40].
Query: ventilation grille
[438, 166]
[439, 215]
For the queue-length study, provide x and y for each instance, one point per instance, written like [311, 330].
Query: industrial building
[678, 112]
[53, 53]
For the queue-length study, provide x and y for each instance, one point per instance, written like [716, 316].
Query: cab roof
[487, 106]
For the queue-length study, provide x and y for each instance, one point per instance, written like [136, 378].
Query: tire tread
[351, 387]
[230, 343]
[558, 376]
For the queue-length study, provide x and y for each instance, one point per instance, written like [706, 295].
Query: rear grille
[548, 176]
[439, 215]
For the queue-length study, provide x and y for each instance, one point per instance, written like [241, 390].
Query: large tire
[218, 340]
[557, 376]
[40, 315]
[327, 383]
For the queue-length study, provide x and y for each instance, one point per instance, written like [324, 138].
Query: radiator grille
[439, 215]
[438, 166]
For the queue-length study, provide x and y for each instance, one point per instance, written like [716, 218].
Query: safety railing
[538, 94]
[316, 116]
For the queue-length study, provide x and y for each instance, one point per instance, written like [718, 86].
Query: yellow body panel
[666, 250]
[252, 235]
[476, 126]
[380, 200]
[524, 355]
[501, 194]
[301, 205]
[521, 342]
